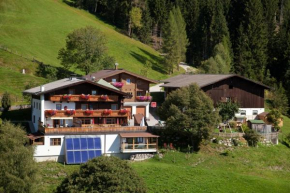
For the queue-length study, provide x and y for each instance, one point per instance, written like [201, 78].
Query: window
[114, 80]
[139, 140]
[84, 106]
[55, 141]
[58, 106]
[140, 93]
[128, 81]
[130, 94]
[94, 92]
[243, 112]
[33, 118]
[33, 104]
[114, 106]
[86, 121]
[255, 112]
[110, 121]
[91, 107]
[71, 91]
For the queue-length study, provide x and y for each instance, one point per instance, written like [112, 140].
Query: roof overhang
[141, 134]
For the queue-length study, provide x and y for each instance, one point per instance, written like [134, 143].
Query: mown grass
[245, 169]
[39, 28]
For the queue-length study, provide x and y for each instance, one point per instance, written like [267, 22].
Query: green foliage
[189, 115]
[274, 117]
[279, 99]
[85, 49]
[227, 110]
[175, 40]
[252, 137]
[286, 140]
[103, 174]
[146, 68]
[6, 101]
[135, 19]
[18, 171]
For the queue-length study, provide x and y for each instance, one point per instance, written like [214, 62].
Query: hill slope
[38, 29]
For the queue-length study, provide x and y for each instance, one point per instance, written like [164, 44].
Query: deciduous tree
[6, 101]
[190, 114]
[103, 174]
[86, 50]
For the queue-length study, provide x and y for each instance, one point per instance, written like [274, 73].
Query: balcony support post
[133, 143]
[147, 145]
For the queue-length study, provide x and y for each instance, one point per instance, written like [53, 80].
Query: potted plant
[89, 112]
[118, 84]
[107, 111]
[104, 97]
[67, 97]
[51, 112]
[123, 111]
[86, 97]
[70, 112]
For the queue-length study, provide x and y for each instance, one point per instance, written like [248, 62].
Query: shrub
[252, 137]
[287, 140]
[233, 124]
[103, 174]
[6, 101]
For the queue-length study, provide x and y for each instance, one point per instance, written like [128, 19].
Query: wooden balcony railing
[94, 129]
[85, 113]
[91, 98]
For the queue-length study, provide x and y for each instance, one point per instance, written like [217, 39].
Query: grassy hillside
[263, 169]
[38, 29]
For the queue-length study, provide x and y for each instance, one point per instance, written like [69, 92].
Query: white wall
[249, 112]
[135, 104]
[50, 105]
[47, 149]
[112, 142]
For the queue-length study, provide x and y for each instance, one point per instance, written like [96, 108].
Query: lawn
[263, 169]
[38, 29]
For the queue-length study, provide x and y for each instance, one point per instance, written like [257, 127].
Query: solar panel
[81, 149]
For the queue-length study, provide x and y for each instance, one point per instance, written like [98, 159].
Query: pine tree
[145, 31]
[251, 55]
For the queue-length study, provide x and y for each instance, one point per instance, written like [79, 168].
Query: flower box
[89, 112]
[51, 112]
[144, 98]
[107, 111]
[104, 97]
[118, 84]
[67, 97]
[70, 112]
[86, 97]
[123, 111]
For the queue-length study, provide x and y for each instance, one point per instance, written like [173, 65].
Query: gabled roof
[67, 82]
[201, 80]
[111, 72]
[257, 121]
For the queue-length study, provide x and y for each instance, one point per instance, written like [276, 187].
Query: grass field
[38, 29]
[263, 169]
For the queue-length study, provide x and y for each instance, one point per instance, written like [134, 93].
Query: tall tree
[189, 113]
[135, 19]
[18, 171]
[175, 40]
[251, 52]
[86, 50]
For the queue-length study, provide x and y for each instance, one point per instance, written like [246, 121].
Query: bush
[103, 174]
[287, 140]
[252, 137]
[6, 101]
[233, 124]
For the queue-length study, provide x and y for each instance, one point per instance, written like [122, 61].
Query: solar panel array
[80, 150]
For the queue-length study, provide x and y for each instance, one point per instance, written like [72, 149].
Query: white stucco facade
[250, 113]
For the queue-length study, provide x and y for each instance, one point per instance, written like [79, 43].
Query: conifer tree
[251, 55]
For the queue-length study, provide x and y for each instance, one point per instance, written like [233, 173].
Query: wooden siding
[93, 98]
[246, 93]
[136, 85]
[82, 113]
[94, 129]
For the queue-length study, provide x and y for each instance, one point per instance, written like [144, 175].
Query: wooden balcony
[92, 98]
[94, 129]
[134, 148]
[84, 113]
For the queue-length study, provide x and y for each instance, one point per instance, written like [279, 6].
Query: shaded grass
[17, 115]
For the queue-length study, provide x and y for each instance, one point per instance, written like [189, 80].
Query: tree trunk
[129, 27]
[96, 6]
[155, 29]
[281, 13]
[160, 40]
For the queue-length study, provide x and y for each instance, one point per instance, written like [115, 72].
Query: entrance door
[141, 110]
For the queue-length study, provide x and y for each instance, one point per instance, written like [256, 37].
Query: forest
[246, 37]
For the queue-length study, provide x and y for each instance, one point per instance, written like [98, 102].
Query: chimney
[41, 88]
[116, 66]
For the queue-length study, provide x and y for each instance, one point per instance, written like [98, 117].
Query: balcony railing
[94, 129]
[145, 147]
[90, 98]
[85, 113]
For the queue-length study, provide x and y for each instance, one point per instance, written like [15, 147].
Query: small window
[231, 86]
[128, 81]
[255, 112]
[243, 112]
[58, 107]
[84, 106]
[94, 92]
[71, 91]
[33, 118]
[114, 80]
[55, 141]
[91, 107]
[114, 106]
[139, 140]
[33, 104]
